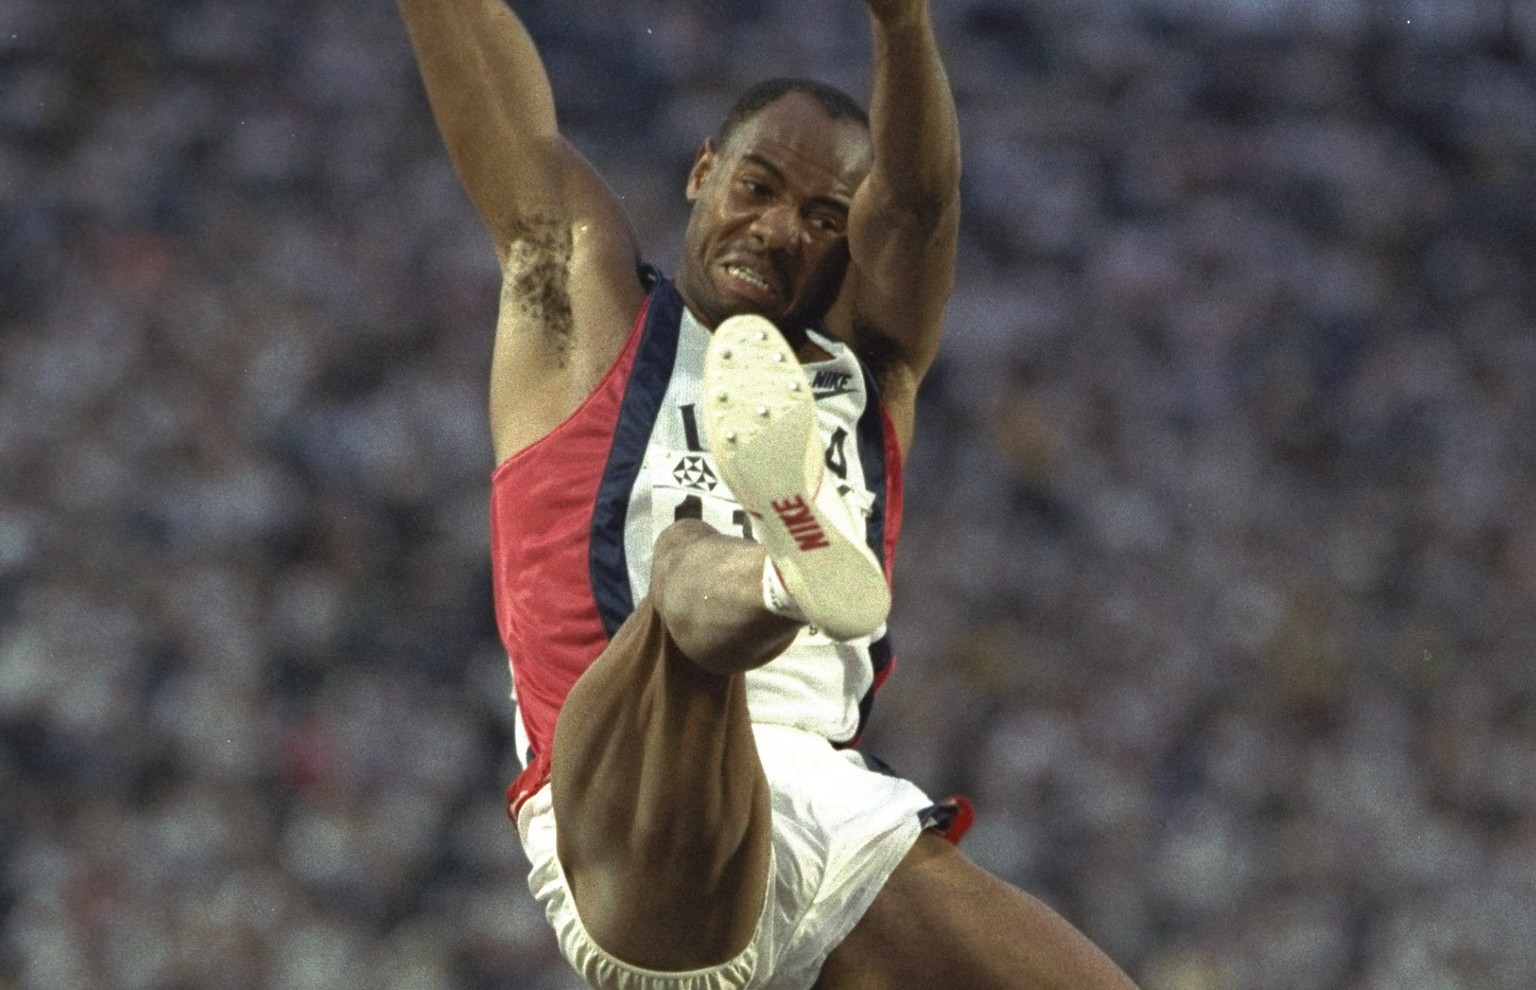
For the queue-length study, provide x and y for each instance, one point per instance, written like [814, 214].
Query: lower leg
[708, 588]
[662, 807]
[663, 811]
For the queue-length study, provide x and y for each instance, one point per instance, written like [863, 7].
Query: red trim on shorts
[528, 783]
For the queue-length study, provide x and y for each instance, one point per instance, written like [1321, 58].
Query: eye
[755, 187]
[827, 223]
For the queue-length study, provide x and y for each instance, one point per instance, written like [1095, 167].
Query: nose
[778, 227]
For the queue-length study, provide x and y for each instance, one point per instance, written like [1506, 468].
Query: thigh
[942, 921]
[662, 810]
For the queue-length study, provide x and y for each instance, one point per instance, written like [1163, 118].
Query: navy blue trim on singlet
[871, 430]
[881, 654]
[649, 377]
[871, 439]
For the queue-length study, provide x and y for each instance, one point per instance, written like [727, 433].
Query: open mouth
[751, 279]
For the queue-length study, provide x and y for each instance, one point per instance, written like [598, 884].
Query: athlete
[693, 515]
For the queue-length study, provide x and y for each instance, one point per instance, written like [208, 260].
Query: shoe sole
[760, 415]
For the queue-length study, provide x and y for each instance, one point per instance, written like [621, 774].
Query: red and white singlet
[574, 517]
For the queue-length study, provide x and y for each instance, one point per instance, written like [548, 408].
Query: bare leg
[942, 921]
[708, 588]
[664, 820]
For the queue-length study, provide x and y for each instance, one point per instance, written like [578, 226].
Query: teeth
[750, 277]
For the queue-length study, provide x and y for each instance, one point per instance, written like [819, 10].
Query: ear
[703, 162]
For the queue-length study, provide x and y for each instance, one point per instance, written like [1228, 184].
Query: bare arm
[904, 225]
[568, 253]
[493, 104]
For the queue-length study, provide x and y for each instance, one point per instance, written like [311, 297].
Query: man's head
[771, 196]
[835, 103]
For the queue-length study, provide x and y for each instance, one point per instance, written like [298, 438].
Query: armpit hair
[537, 275]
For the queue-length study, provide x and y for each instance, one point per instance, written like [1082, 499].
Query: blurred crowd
[1218, 586]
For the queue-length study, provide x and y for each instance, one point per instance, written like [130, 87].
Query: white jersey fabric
[816, 684]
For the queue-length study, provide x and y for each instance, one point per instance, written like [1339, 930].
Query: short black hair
[837, 104]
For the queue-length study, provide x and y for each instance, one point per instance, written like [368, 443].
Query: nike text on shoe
[760, 415]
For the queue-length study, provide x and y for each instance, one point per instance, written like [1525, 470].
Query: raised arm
[567, 250]
[493, 105]
[904, 223]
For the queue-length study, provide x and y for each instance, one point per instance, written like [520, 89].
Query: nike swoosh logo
[830, 392]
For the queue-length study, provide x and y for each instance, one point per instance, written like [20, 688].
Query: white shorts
[839, 830]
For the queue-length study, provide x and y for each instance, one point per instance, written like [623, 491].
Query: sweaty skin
[661, 800]
[769, 228]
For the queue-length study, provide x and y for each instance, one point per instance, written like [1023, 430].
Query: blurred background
[1218, 592]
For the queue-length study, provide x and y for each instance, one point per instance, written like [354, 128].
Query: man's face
[769, 228]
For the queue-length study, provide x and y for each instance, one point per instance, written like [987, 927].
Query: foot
[761, 419]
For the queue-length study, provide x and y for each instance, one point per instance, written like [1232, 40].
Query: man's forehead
[797, 126]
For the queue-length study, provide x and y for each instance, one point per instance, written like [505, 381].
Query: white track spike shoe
[761, 419]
